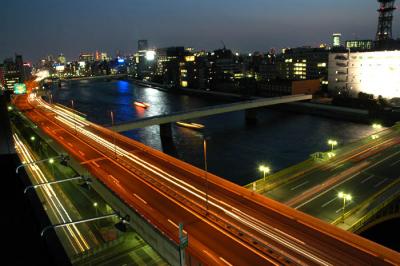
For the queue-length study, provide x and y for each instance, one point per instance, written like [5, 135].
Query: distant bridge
[208, 111]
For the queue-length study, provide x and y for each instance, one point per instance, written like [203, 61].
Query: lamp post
[95, 204]
[333, 143]
[72, 105]
[377, 127]
[265, 170]
[345, 197]
[112, 124]
[205, 169]
[50, 160]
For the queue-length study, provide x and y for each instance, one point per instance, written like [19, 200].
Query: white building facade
[376, 73]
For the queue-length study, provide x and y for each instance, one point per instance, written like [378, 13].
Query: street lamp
[112, 124]
[205, 169]
[377, 126]
[345, 197]
[95, 204]
[332, 143]
[33, 138]
[72, 104]
[265, 170]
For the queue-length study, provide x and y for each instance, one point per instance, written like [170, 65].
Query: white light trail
[241, 217]
[49, 192]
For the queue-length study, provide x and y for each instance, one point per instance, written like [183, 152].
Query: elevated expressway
[226, 224]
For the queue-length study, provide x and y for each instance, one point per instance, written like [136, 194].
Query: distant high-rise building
[11, 73]
[303, 63]
[385, 22]
[143, 45]
[359, 45]
[2, 81]
[336, 39]
[86, 57]
[19, 63]
[104, 57]
[61, 59]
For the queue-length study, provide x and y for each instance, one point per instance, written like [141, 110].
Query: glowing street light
[33, 138]
[331, 155]
[333, 143]
[95, 204]
[51, 160]
[205, 168]
[114, 138]
[345, 197]
[72, 105]
[265, 170]
[9, 108]
[377, 126]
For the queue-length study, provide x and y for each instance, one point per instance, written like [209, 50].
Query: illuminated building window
[184, 83]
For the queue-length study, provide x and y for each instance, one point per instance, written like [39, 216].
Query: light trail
[68, 118]
[50, 194]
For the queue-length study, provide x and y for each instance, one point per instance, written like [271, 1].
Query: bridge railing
[366, 217]
[363, 220]
[281, 177]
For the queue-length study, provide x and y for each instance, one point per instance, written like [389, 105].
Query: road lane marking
[92, 160]
[116, 181]
[139, 198]
[210, 255]
[224, 260]
[177, 226]
[328, 202]
[381, 182]
[337, 167]
[341, 209]
[302, 184]
[396, 162]
[323, 192]
[366, 179]
[96, 164]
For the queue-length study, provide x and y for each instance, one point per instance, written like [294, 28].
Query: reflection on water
[235, 149]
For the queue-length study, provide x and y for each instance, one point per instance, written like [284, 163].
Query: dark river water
[235, 149]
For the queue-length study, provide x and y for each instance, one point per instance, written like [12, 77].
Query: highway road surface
[226, 224]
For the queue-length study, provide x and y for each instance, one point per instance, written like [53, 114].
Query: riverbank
[317, 109]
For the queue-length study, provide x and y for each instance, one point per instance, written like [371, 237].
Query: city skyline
[111, 27]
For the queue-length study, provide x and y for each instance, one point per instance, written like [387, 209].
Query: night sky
[38, 28]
